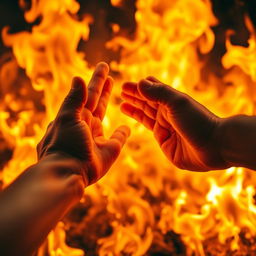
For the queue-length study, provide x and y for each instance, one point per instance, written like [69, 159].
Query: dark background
[103, 13]
[229, 12]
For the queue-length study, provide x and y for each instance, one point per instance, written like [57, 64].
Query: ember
[144, 205]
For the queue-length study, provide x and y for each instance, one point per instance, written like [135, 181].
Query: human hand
[186, 131]
[77, 131]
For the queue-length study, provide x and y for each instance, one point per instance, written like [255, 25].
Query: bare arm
[35, 202]
[72, 155]
[238, 141]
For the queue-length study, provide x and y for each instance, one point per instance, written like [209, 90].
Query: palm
[97, 147]
[175, 147]
[183, 131]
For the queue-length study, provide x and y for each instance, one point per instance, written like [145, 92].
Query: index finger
[132, 89]
[104, 98]
[96, 85]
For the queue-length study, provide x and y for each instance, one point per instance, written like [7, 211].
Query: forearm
[238, 141]
[32, 205]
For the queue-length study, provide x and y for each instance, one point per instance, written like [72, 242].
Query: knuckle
[94, 90]
[180, 100]
[99, 76]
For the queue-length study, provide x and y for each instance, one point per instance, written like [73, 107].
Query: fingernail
[102, 66]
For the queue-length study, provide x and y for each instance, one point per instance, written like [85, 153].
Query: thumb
[111, 149]
[76, 98]
[116, 142]
[156, 91]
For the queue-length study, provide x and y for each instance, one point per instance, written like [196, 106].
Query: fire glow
[144, 205]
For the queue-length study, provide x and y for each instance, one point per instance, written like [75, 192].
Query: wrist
[38, 199]
[64, 165]
[237, 141]
[225, 147]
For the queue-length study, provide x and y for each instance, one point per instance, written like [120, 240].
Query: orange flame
[169, 34]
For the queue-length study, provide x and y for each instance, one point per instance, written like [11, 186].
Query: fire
[144, 199]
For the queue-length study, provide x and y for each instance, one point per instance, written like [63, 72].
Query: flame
[148, 198]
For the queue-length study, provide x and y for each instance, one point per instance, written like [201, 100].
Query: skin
[190, 136]
[73, 154]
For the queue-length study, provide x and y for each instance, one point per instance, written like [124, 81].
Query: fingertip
[128, 86]
[78, 82]
[124, 85]
[126, 129]
[152, 79]
[102, 66]
[111, 79]
[122, 107]
[120, 135]
[80, 85]
[75, 100]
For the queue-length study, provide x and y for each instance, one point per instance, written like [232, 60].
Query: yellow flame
[169, 35]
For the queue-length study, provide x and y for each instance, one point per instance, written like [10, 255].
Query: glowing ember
[144, 206]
